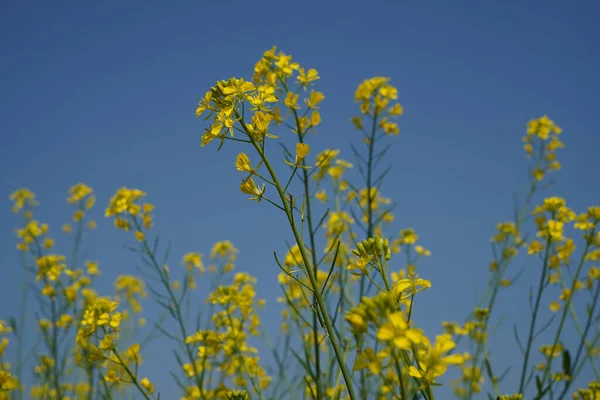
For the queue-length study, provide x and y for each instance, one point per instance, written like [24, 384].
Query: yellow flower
[434, 363]
[321, 196]
[551, 351]
[315, 118]
[111, 376]
[78, 216]
[260, 125]
[505, 282]
[542, 127]
[7, 381]
[368, 359]
[555, 306]
[357, 321]
[397, 330]
[357, 122]
[422, 251]
[314, 99]
[302, 150]
[106, 343]
[374, 95]
[146, 384]
[193, 260]
[407, 287]
[22, 197]
[89, 203]
[291, 100]
[92, 267]
[555, 229]
[242, 162]
[481, 313]
[78, 192]
[125, 202]
[249, 187]
[305, 78]
[565, 295]
[64, 321]
[237, 89]
[396, 109]
[538, 174]
[535, 247]
[594, 273]
[359, 267]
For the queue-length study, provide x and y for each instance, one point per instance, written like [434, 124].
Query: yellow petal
[385, 333]
[302, 150]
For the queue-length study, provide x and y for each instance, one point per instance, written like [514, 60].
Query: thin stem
[534, 316]
[588, 346]
[582, 342]
[400, 379]
[311, 274]
[564, 314]
[370, 199]
[130, 374]
[494, 281]
[177, 308]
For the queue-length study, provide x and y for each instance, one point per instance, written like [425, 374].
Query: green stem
[494, 281]
[177, 309]
[311, 235]
[534, 316]
[582, 342]
[370, 225]
[311, 274]
[131, 376]
[568, 303]
[400, 378]
[588, 346]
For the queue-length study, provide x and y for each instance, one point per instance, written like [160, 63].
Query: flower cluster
[127, 210]
[23, 198]
[101, 314]
[542, 136]
[375, 96]
[132, 289]
[83, 198]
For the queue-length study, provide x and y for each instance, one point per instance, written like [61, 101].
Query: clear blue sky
[105, 93]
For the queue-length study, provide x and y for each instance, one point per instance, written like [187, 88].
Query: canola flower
[347, 304]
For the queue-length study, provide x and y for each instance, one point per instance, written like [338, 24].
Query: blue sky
[105, 93]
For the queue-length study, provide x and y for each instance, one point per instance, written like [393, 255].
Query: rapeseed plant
[348, 329]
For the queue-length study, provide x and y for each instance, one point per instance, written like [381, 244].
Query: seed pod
[386, 245]
[361, 249]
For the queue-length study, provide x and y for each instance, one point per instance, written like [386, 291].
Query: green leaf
[566, 362]
[488, 368]
[13, 324]
[538, 384]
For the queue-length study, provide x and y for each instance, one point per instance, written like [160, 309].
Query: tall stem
[311, 235]
[495, 286]
[534, 316]
[310, 271]
[568, 303]
[177, 309]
